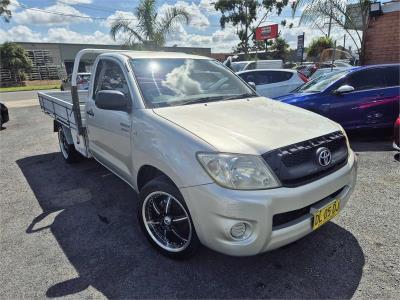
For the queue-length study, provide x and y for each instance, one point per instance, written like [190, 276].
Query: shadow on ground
[96, 227]
[367, 140]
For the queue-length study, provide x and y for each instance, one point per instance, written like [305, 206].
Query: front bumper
[215, 210]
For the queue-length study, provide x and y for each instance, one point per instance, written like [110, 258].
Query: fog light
[240, 231]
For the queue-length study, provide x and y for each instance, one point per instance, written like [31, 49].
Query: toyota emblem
[324, 156]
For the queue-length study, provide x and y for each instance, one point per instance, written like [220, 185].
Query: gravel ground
[71, 230]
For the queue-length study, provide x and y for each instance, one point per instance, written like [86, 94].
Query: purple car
[359, 97]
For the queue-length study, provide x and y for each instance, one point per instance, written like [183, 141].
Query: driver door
[109, 131]
[354, 109]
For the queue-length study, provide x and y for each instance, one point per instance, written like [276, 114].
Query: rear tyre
[68, 151]
[165, 219]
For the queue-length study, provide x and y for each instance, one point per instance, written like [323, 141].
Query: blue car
[358, 97]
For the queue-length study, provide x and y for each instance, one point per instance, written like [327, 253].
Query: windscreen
[171, 82]
[321, 83]
[238, 66]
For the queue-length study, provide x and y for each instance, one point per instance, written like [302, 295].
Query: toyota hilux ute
[213, 162]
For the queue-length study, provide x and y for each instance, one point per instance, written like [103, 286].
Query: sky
[29, 23]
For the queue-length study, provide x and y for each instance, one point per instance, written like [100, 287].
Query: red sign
[267, 32]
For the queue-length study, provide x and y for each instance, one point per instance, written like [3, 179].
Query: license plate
[323, 215]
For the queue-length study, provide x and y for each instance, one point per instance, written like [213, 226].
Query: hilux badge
[324, 156]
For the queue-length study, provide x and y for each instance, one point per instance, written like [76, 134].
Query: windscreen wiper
[245, 95]
[202, 100]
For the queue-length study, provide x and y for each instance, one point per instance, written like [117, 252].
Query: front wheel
[165, 219]
[68, 151]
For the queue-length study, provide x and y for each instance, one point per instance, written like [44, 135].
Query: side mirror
[343, 89]
[252, 85]
[111, 100]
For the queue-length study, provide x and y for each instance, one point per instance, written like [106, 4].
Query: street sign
[300, 47]
[267, 32]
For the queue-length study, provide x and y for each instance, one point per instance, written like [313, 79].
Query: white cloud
[22, 33]
[19, 33]
[63, 35]
[77, 1]
[208, 6]
[125, 15]
[34, 16]
[219, 41]
[197, 18]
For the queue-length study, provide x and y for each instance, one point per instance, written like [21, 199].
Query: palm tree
[6, 13]
[316, 12]
[151, 28]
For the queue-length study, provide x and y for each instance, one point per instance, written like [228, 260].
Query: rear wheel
[165, 219]
[68, 151]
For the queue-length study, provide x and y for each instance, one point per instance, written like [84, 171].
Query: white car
[213, 162]
[273, 83]
[82, 81]
[238, 66]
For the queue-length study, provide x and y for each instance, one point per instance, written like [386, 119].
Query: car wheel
[68, 151]
[165, 219]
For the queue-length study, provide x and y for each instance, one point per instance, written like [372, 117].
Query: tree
[316, 13]
[242, 14]
[15, 59]
[6, 13]
[317, 45]
[152, 28]
[279, 49]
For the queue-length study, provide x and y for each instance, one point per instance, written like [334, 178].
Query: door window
[373, 78]
[249, 77]
[392, 76]
[109, 76]
[267, 77]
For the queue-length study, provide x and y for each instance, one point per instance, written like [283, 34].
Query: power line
[64, 14]
[99, 8]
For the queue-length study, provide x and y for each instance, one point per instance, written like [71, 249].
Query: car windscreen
[321, 83]
[179, 81]
[238, 66]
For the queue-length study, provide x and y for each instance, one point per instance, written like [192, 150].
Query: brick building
[382, 40]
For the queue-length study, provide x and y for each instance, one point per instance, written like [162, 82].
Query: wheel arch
[148, 172]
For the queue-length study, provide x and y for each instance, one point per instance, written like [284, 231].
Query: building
[382, 38]
[56, 60]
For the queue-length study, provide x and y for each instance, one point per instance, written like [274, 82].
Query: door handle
[90, 112]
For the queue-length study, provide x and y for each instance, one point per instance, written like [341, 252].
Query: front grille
[297, 164]
[286, 217]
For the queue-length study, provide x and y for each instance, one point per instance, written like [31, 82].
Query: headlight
[238, 171]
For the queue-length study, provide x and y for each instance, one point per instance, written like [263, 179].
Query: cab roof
[160, 54]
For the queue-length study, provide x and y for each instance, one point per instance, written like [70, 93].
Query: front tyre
[68, 151]
[165, 219]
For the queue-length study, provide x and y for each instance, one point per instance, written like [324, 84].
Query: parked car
[4, 118]
[82, 80]
[274, 83]
[213, 162]
[396, 134]
[238, 66]
[359, 97]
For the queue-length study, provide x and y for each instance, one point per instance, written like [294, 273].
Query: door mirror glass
[252, 85]
[344, 89]
[111, 100]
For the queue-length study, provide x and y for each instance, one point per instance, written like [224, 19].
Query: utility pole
[344, 42]
[330, 23]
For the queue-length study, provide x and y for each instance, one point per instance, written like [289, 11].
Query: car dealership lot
[71, 230]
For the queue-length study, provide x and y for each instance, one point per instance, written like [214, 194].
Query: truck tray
[59, 106]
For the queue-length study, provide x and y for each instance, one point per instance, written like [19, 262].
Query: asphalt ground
[71, 230]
